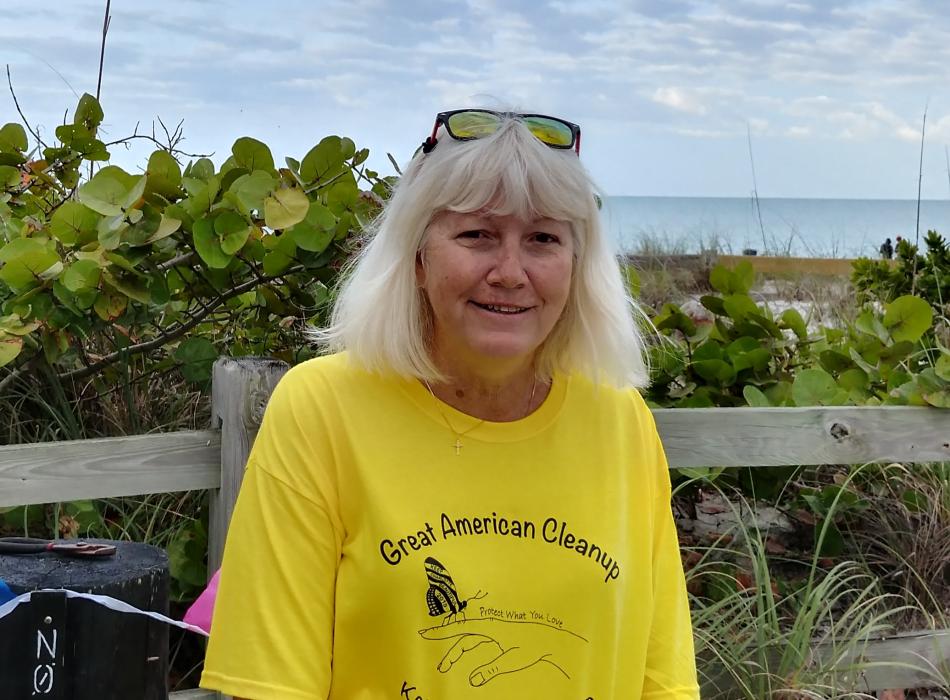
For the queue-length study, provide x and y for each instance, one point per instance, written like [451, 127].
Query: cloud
[678, 99]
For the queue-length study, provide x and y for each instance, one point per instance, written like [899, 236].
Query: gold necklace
[458, 436]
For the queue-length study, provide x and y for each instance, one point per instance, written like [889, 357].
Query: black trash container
[57, 647]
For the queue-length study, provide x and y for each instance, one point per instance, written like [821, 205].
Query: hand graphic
[520, 645]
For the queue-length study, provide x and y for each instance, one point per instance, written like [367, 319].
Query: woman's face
[496, 284]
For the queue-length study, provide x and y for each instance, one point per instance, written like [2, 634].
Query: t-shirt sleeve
[670, 672]
[272, 629]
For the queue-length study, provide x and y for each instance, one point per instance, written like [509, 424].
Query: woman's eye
[471, 235]
[542, 237]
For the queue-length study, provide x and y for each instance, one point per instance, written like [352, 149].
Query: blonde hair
[380, 317]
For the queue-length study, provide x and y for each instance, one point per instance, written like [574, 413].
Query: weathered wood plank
[240, 391]
[911, 660]
[48, 472]
[735, 437]
[196, 694]
[905, 661]
[123, 466]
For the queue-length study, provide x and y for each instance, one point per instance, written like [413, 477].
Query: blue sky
[832, 92]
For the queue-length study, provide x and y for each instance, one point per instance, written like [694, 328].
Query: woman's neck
[496, 396]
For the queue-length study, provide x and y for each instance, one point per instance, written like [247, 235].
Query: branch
[23, 116]
[171, 335]
[920, 179]
[170, 147]
[102, 52]
[169, 264]
[13, 376]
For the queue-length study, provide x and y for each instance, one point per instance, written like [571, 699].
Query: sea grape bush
[925, 275]
[747, 356]
[178, 264]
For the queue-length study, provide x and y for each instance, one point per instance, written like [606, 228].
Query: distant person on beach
[887, 249]
[467, 499]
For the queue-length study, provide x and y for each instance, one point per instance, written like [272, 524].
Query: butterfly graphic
[441, 597]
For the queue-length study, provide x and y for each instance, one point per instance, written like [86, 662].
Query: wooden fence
[214, 459]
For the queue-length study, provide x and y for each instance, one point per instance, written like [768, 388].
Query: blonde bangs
[509, 172]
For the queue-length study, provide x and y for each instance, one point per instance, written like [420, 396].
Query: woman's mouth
[506, 309]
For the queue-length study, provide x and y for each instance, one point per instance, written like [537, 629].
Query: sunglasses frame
[443, 119]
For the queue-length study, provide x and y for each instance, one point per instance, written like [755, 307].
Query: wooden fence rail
[215, 459]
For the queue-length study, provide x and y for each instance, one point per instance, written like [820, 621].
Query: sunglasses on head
[469, 124]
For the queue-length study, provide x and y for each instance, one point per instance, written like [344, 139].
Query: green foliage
[119, 290]
[747, 356]
[927, 275]
[226, 255]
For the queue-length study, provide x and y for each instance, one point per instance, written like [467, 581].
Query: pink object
[200, 612]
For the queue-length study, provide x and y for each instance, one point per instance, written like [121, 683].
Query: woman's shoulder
[628, 398]
[330, 374]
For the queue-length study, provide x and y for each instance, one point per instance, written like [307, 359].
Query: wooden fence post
[239, 393]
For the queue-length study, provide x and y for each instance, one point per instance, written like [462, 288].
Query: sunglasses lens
[473, 125]
[551, 131]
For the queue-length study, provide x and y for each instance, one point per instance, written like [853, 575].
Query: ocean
[800, 227]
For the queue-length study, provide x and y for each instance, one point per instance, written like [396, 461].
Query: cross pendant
[458, 446]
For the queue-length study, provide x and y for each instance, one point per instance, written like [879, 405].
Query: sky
[668, 93]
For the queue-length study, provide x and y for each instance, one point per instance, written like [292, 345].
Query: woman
[468, 499]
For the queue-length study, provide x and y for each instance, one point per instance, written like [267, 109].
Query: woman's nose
[508, 269]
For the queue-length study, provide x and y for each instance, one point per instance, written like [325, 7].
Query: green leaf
[908, 318]
[109, 306]
[251, 189]
[88, 113]
[715, 371]
[166, 227]
[869, 324]
[739, 306]
[203, 194]
[324, 161]
[743, 276]
[723, 280]
[74, 223]
[80, 275]
[793, 320]
[10, 347]
[197, 356]
[942, 366]
[854, 378]
[111, 230]
[163, 175]
[26, 260]
[316, 231]
[104, 194]
[130, 286]
[754, 397]
[252, 154]
[208, 245]
[286, 207]
[13, 138]
[13, 325]
[714, 304]
[835, 361]
[281, 255]
[939, 398]
[814, 387]
[232, 231]
[201, 169]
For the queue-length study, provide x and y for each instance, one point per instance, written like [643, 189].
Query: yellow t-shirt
[368, 558]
